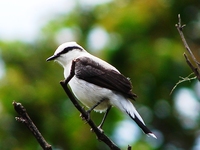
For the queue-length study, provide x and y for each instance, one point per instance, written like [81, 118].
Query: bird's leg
[72, 72]
[104, 118]
[98, 103]
[89, 111]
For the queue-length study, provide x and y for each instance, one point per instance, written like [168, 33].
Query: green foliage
[143, 44]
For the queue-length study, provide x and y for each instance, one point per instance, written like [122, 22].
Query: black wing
[91, 71]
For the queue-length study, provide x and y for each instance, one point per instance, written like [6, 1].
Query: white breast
[90, 94]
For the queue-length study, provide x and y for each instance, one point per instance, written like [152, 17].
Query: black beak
[52, 58]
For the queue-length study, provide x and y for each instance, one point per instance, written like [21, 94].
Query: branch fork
[195, 68]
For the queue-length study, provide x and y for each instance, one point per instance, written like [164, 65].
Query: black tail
[142, 126]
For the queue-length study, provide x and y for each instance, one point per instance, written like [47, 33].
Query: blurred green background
[136, 36]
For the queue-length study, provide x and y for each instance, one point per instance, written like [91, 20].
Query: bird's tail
[128, 107]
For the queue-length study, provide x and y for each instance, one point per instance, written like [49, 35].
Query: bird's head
[66, 52]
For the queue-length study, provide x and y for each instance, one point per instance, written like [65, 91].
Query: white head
[66, 52]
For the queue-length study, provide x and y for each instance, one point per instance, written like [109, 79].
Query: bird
[97, 84]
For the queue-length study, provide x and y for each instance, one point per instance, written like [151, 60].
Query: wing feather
[92, 72]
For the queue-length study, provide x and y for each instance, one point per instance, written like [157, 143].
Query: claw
[88, 116]
[83, 118]
[100, 129]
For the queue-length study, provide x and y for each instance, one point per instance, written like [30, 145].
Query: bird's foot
[85, 118]
[100, 129]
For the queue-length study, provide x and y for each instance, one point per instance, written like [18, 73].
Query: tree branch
[100, 135]
[195, 68]
[24, 118]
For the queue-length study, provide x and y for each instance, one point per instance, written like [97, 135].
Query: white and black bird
[96, 83]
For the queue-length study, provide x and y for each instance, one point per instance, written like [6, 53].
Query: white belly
[90, 94]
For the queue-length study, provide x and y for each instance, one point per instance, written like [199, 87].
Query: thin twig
[180, 27]
[196, 69]
[24, 118]
[188, 78]
[100, 135]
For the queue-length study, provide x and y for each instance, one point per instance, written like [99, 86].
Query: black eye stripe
[67, 49]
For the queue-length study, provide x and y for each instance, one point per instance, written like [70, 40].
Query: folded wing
[92, 72]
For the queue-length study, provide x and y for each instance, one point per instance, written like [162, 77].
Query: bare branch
[196, 69]
[180, 27]
[24, 118]
[100, 135]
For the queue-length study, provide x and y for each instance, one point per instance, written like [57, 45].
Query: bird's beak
[52, 58]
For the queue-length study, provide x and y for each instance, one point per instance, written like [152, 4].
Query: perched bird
[96, 83]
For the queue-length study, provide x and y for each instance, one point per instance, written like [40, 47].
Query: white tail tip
[152, 135]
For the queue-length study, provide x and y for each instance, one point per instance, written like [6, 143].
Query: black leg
[92, 108]
[104, 118]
